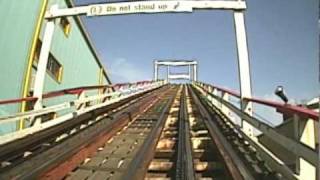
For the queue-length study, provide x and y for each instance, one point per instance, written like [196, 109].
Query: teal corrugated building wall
[18, 19]
[80, 63]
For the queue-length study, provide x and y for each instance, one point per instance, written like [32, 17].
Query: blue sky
[282, 37]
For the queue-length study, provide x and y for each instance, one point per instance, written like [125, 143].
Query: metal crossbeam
[145, 7]
[179, 76]
[175, 62]
[192, 70]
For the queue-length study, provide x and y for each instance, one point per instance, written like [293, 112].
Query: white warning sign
[138, 7]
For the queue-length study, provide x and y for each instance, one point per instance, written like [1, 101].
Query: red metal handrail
[287, 108]
[232, 92]
[72, 91]
[11, 101]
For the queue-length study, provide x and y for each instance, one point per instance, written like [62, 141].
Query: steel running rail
[235, 166]
[139, 165]
[184, 164]
[187, 149]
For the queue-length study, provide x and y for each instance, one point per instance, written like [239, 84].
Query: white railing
[85, 101]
